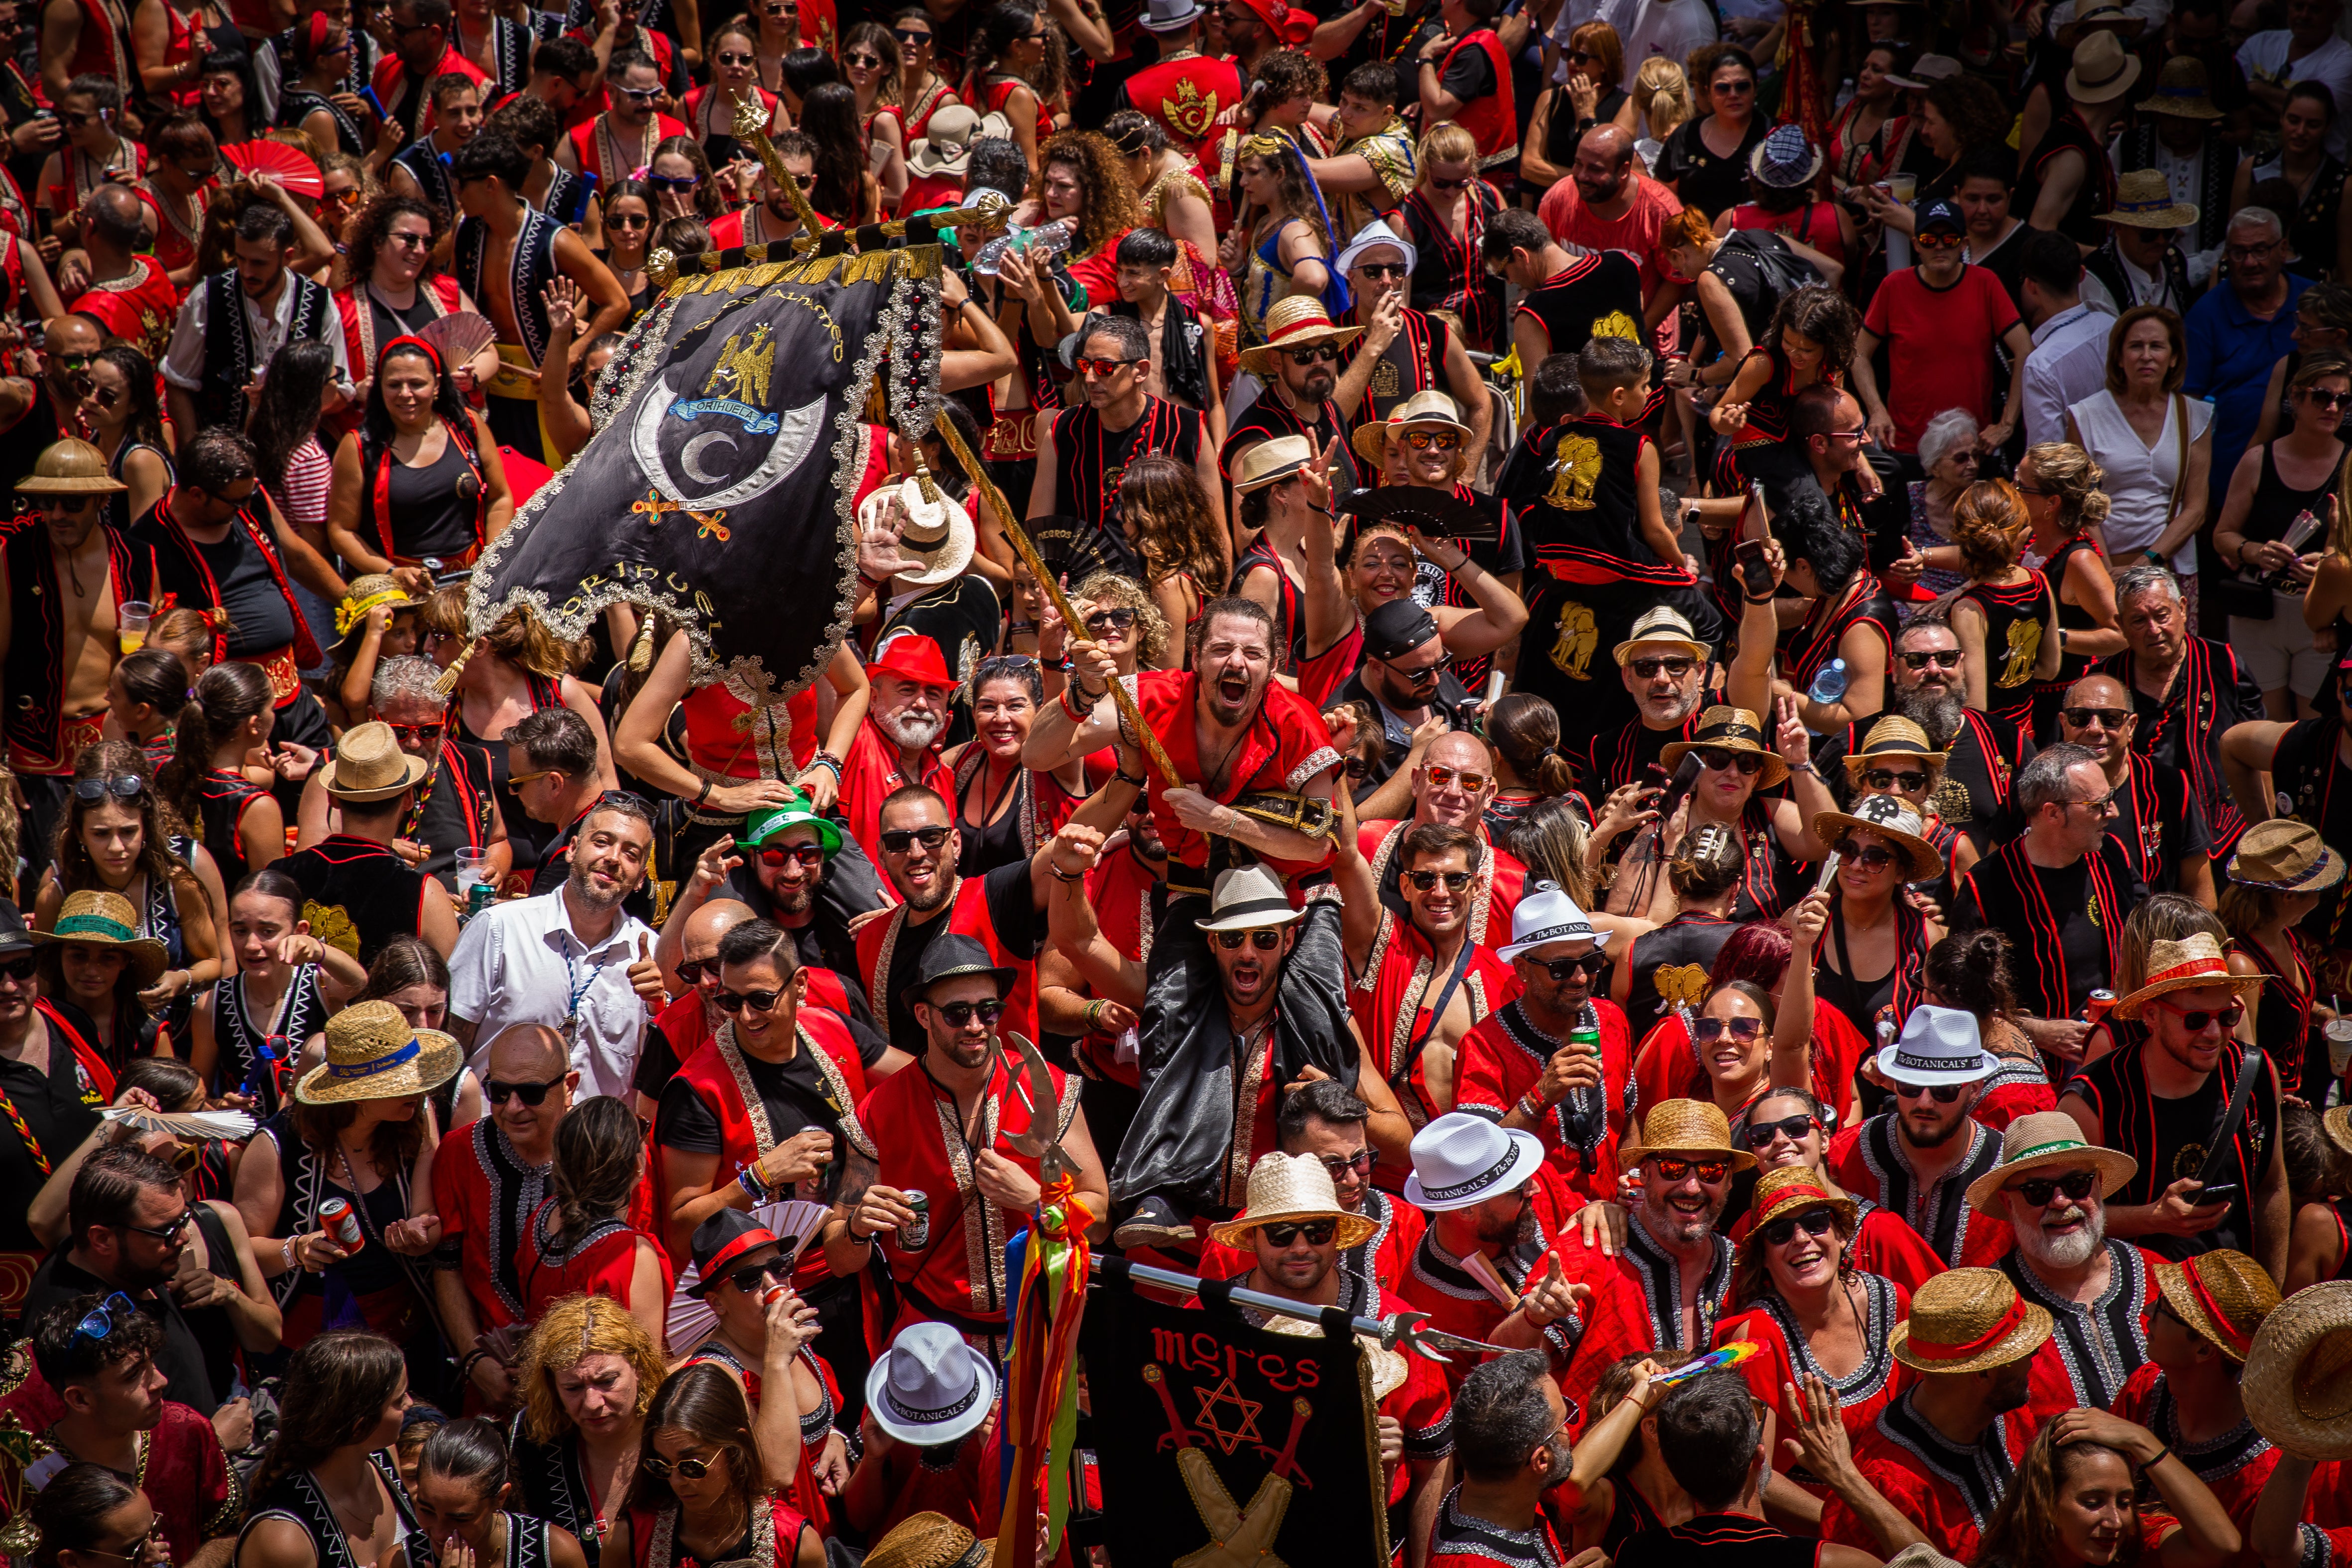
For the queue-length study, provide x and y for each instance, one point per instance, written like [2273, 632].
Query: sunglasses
[416, 734]
[641, 94]
[516, 780]
[1874, 856]
[1941, 658]
[776, 857]
[1319, 353]
[1580, 57]
[1731, 87]
[1945, 1093]
[906, 35]
[498, 1092]
[2076, 1184]
[1110, 620]
[186, 1157]
[121, 786]
[898, 840]
[1672, 1171]
[1426, 675]
[1461, 183]
[673, 181]
[1087, 365]
[1717, 760]
[409, 241]
[1361, 767]
[1936, 241]
[1263, 941]
[758, 1001]
[167, 1234]
[2105, 718]
[661, 1469]
[1383, 269]
[74, 361]
[349, 198]
[2195, 1022]
[1426, 880]
[627, 220]
[1814, 1222]
[2331, 401]
[694, 969]
[100, 1321]
[737, 60]
[1430, 440]
[753, 1276]
[861, 62]
[1716, 1029]
[1562, 969]
[1317, 1232]
[1675, 665]
[1440, 775]
[21, 969]
[960, 1014]
[1793, 1128]
[1883, 779]
[1361, 1163]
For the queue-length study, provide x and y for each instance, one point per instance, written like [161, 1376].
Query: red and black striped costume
[2006, 892]
[35, 669]
[1089, 459]
[2210, 693]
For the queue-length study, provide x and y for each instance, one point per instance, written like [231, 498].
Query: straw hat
[2048, 1139]
[70, 468]
[373, 1054]
[939, 531]
[1429, 409]
[1968, 1320]
[1926, 71]
[1271, 461]
[2298, 1378]
[365, 593]
[1793, 1189]
[2195, 962]
[2225, 1296]
[107, 920]
[1891, 820]
[1729, 730]
[1296, 321]
[2104, 69]
[2286, 857]
[2336, 1122]
[1684, 1127]
[929, 1540]
[1893, 736]
[368, 764]
[1664, 626]
[1291, 1188]
[2182, 91]
[2144, 200]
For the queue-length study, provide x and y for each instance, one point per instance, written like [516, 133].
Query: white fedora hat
[1377, 232]
[930, 1388]
[1246, 898]
[1460, 1159]
[1546, 914]
[1939, 1046]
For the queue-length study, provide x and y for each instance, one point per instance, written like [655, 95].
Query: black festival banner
[731, 431]
[1227, 1446]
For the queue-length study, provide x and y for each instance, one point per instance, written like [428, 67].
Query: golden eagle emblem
[332, 924]
[1191, 111]
[1572, 653]
[2024, 650]
[744, 367]
[1680, 984]
[1616, 324]
[1575, 469]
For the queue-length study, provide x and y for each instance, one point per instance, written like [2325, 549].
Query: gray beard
[912, 730]
[2066, 1251]
[1939, 715]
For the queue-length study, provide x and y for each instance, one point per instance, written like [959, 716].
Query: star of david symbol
[1244, 1429]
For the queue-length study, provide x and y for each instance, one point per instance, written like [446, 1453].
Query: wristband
[1058, 877]
[827, 759]
[2161, 1455]
[1078, 715]
[287, 1248]
[1752, 599]
[753, 1186]
[1802, 768]
[1138, 780]
[876, 584]
[1531, 1105]
[705, 794]
[1094, 1016]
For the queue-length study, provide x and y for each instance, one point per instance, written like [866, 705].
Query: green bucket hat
[794, 813]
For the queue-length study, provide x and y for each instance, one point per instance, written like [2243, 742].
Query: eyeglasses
[1717, 760]
[1672, 1171]
[1316, 354]
[409, 240]
[1317, 1232]
[1439, 776]
[1361, 1163]
[2331, 401]
[897, 840]
[2076, 1184]
[2196, 1021]
[1941, 658]
[1426, 880]
[960, 1015]
[775, 856]
[416, 734]
[21, 969]
[736, 1001]
[673, 181]
[1812, 1222]
[1793, 1128]
[861, 62]
[121, 786]
[1945, 1093]
[101, 1321]
[2252, 252]
[1110, 620]
[1716, 1029]
[661, 1468]
[753, 1276]
[1883, 779]
[1384, 268]
[1361, 767]
[1263, 941]
[167, 1234]
[1676, 665]
[1450, 185]
[1562, 969]
[134, 1550]
[1874, 856]
[498, 1092]
[1090, 367]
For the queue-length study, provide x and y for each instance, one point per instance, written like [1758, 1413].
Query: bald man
[129, 295]
[486, 1179]
[35, 413]
[2157, 819]
[1451, 786]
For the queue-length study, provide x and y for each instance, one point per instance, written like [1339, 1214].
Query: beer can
[2096, 1005]
[915, 1234]
[768, 1297]
[336, 1218]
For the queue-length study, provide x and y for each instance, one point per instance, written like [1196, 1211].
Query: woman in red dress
[581, 1240]
[699, 1496]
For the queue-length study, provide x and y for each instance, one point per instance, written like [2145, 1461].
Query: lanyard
[579, 987]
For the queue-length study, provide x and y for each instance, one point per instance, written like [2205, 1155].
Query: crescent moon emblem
[689, 456]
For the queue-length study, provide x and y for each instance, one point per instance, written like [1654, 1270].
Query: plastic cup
[471, 867]
[2339, 1045]
[1903, 188]
[130, 618]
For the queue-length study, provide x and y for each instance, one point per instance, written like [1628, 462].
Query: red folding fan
[282, 163]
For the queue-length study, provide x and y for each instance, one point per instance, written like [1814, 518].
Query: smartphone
[2221, 1193]
[1755, 571]
[1656, 776]
[1685, 779]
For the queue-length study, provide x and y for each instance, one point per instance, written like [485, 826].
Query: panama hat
[938, 530]
[1248, 897]
[1292, 1187]
[1938, 1046]
[107, 920]
[1430, 407]
[2298, 1378]
[2182, 90]
[930, 1540]
[1968, 1320]
[795, 812]
[929, 1388]
[1662, 627]
[2224, 1296]
[1370, 236]
[913, 657]
[2047, 1140]
[1793, 1189]
[1892, 820]
[2103, 69]
[1683, 1127]
[1459, 1160]
[1726, 729]
[1271, 461]
[1893, 736]
[1785, 159]
[373, 1054]
[2144, 200]
[1926, 71]
[1170, 16]
[1296, 321]
[70, 468]
[2195, 962]
[1545, 914]
[368, 764]
[946, 146]
[2286, 857]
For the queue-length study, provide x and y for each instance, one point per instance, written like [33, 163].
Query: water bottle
[1043, 244]
[1828, 684]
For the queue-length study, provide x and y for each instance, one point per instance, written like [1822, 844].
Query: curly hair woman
[2074, 1502]
[1082, 179]
[2006, 619]
[1168, 521]
[585, 1378]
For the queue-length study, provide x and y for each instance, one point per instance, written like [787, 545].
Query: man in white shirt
[2305, 49]
[218, 355]
[573, 959]
[2069, 358]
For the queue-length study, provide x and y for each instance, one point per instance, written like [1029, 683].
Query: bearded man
[913, 694]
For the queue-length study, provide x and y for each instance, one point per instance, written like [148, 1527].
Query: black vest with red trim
[1813, 642]
[2209, 695]
[230, 355]
[1493, 118]
[453, 807]
[1089, 461]
[187, 579]
[1413, 361]
[356, 893]
[375, 469]
[35, 669]
[1594, 296]
[2004, 893]
[1579, 507]
[224, 796]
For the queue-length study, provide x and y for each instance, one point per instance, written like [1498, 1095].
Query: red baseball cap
[913, 657]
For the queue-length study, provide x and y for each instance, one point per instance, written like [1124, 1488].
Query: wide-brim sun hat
[2183, 92]
[930, 1540]
[70, 468]
[1271, 461]
[1893, 736]
[1892, 819]
[2286, 857]
[1684, 1129]
[1727, 728]
[1292, 1189]
[373, 1054]
[1546, 914]
[2193, 963]
[1459, 1160]
[2224, 1296]
[2298, 1382]
[1966, 1321]
[1373, 236]
[100, 918]
[1390, 1370]
[2047, 1140]
[1430, 408]
[366, 593]
[1926, 71]
[368, 764]
[1296, 321]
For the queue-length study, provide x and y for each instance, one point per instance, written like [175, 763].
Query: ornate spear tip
[661, 269]
[750, 118]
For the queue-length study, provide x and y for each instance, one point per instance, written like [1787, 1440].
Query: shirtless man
[63, 582]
